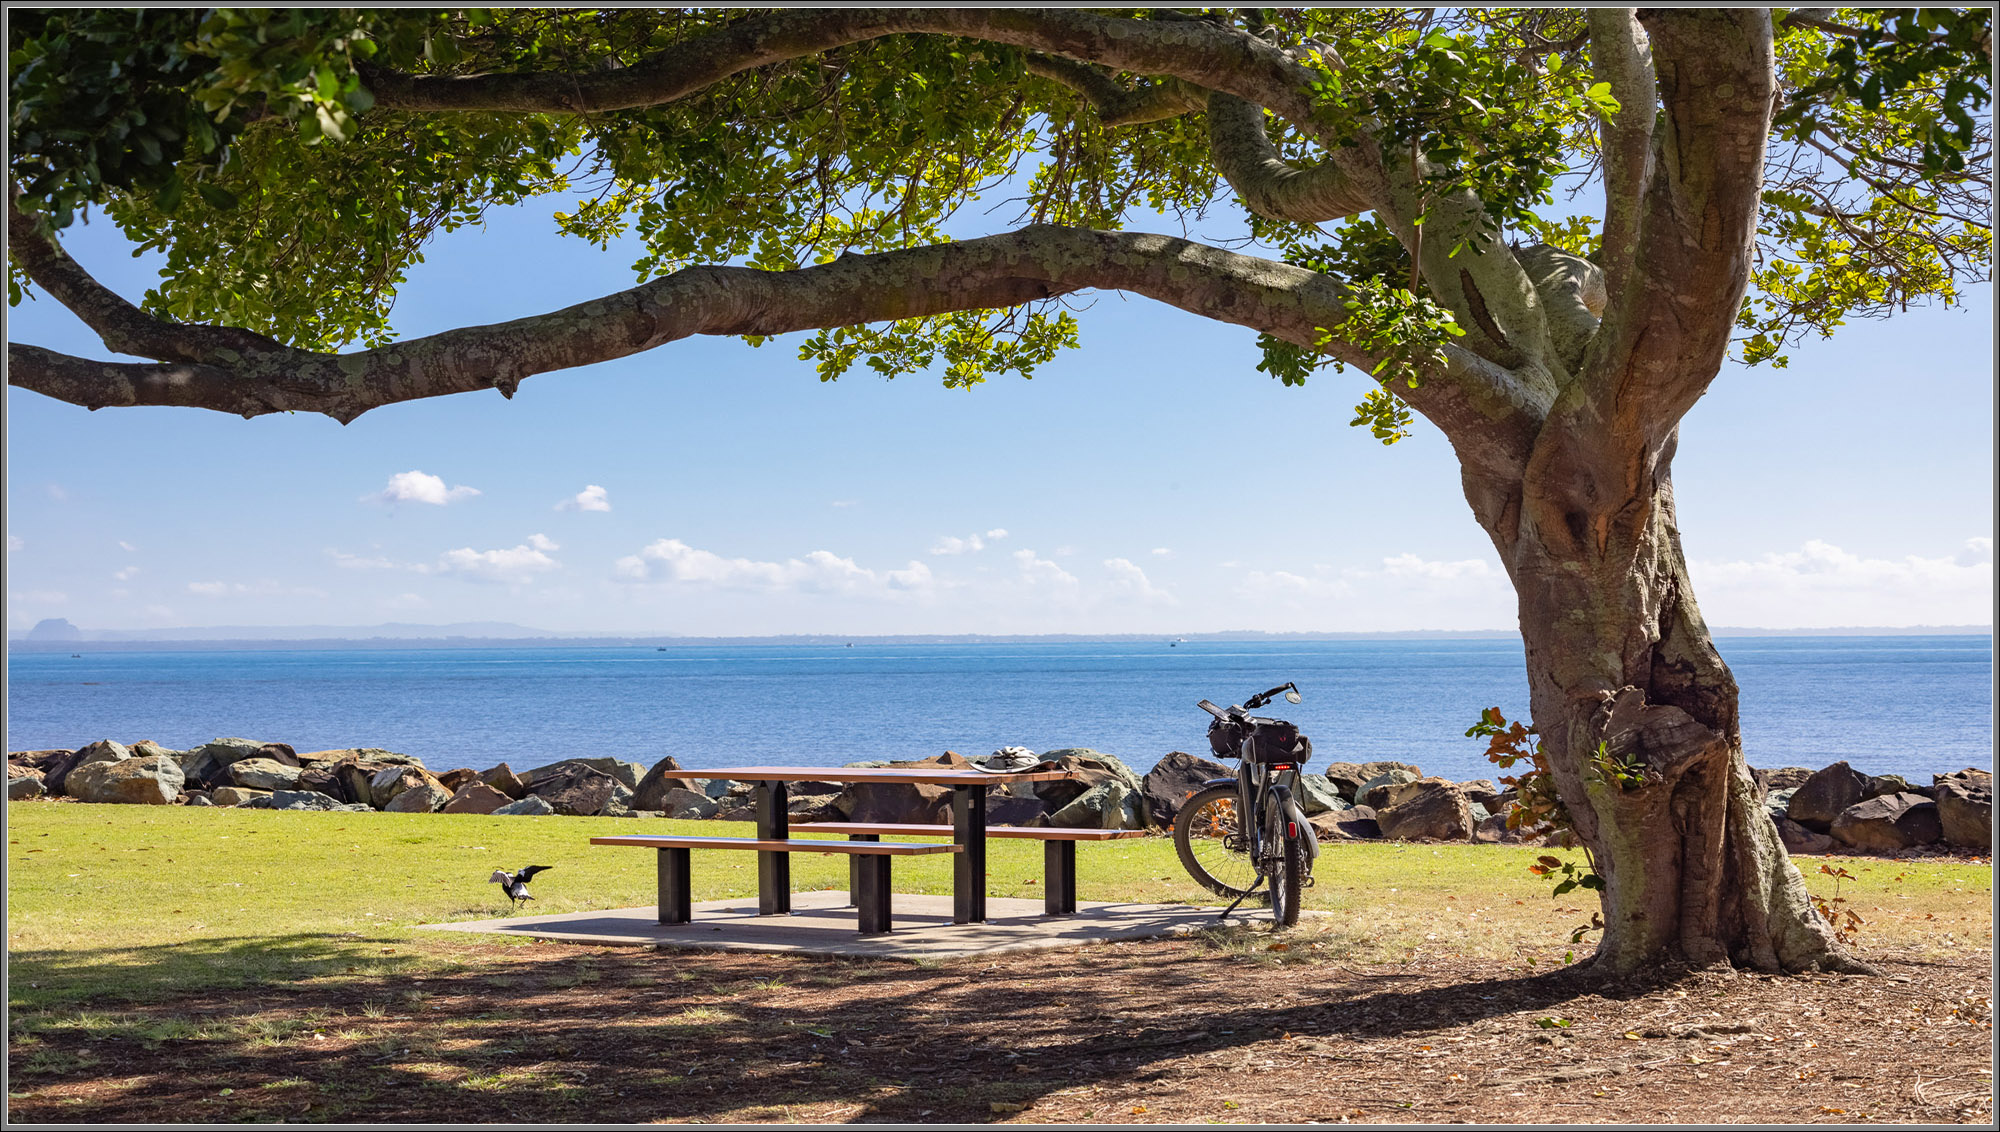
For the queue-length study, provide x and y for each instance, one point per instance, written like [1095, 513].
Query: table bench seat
[1058, 850]
[869, 877]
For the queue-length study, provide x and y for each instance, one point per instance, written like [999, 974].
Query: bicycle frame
[1266, 797]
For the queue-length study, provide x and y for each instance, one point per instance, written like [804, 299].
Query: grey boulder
[1374, 792]
[1429, 808]
[576, 790]
[1799, 839]
[1821, 798]
[475, 798]
[421, 797]
[530, 806]
[302, 800]
[1107, 805]
[155, 781]
[657, 784]
[264, 774]
[22, 786]
[627, 773]
[1888, 822]
[1317, 795]
[236, 795]
[503, 779]
[1965, 808]
[209, 763]
[1173, 779]
[685, 804]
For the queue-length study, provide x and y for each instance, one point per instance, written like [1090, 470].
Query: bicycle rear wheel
[1287, 881]
[1208, 835]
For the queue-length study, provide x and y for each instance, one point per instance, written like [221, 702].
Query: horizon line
[499, 633]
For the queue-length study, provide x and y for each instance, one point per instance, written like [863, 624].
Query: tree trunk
[1623, 674]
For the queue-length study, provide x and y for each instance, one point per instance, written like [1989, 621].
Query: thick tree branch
[125, 328]
[1621, 55]
[1475, 402]
[1116, 104]
[1572, 293]
[1272, 187]
[1602, 455]
[1205, 54]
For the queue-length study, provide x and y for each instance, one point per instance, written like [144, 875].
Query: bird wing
[530, 871]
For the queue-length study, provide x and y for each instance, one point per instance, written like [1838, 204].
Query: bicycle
[1231, 856]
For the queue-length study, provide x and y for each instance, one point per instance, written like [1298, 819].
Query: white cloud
[948, 544]
[669, 560]
[1038, 571]
[1127, 578]
[591, 498]
[1163, 551]
[39, 597]
[1285, 584]
[59, 493]
[512, 566]
[263, 587]
[127, 574]
[1405, 592]
[1821, 586]
[14, 542]
[123, 545]
[1411, 566]
[419, 487]
[356, 562]
[406, 601]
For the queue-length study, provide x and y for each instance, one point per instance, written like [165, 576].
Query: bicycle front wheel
[1287, 881]
[1209, 836]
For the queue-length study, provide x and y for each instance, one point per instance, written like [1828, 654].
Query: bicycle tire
[1204, 820]
[1288, 882]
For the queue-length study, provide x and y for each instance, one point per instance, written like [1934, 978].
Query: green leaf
[217, 197]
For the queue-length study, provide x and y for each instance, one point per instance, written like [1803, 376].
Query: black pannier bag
[1272, 741]
[1276, 741]
[1225, 739]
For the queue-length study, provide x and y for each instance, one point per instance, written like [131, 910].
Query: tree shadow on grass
[49, 978]
[327, 1027]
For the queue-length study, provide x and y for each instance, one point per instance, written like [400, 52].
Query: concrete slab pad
[824, 923]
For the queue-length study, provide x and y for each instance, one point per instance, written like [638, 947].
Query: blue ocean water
[1907, 705]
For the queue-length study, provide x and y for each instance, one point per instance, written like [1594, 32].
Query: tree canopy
[293, 164]
[1543, 230]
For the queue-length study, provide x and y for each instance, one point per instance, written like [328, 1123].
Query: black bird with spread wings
[515, 885]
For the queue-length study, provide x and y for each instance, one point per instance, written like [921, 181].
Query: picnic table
[770, 802]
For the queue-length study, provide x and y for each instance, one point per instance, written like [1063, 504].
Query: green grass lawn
[132, 903]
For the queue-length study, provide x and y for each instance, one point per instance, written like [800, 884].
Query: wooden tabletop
[925, 776]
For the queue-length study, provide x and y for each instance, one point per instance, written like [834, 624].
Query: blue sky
[1152, 481]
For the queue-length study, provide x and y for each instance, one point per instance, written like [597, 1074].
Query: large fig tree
[1731, 179]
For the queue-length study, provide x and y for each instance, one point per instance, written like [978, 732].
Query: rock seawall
[1833, 809]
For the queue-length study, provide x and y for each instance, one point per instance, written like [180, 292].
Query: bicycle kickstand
[1224, 914]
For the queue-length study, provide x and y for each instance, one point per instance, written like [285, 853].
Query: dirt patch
[1207, 1029]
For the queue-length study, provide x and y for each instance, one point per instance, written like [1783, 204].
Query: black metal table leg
[871, 891]
[676, 889]
[774, 869]
[854, 866]
[968, 874]
[1059, 878]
